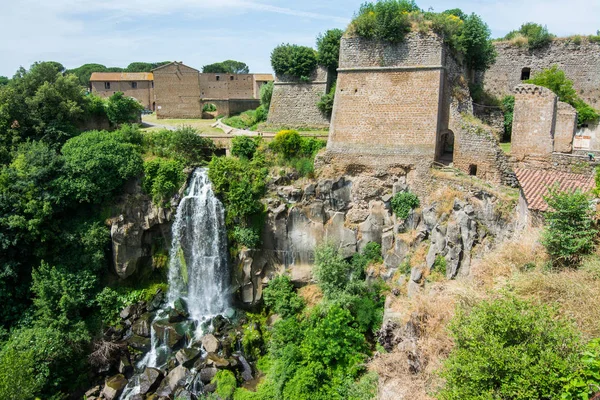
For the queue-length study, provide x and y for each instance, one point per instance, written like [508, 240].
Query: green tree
[328, 48]
[266, 92]
[226, 67]
[279, 296]
[475, 40]
[569, 232]
[556, 80]
[244, 146]
[4, 80]
[325, 105]
[536, 34]
[508, 349]
[144, 66]
[84, 72]
[293, 60]
[123, 110]
[96, 164]
[162, 179]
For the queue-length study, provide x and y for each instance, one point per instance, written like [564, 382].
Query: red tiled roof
[535, 184]
[121, 76]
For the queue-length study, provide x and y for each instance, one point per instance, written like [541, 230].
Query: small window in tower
[218, 77]
[152, 84]
[473, 170]
[525, 74]
[134, 85]
[231, 78]
[107, 85]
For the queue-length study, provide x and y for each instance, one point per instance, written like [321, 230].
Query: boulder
[139, 343]
[206, 374]
[183, 394]
[125, 366]
[174, 379]
[181, 307]
[210, 343]
[142, 327]
[149, 380]
[168, 333]
[217, 361]
[187, 357]
[95, 391]
[114, 387]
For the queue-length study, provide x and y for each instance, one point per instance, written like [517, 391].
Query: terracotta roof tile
[535, 184]
[121, 76]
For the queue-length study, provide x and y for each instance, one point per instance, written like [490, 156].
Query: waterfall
[198, 268]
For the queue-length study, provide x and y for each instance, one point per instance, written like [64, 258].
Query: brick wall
[294, 103]
[177, 92]
[581, 63]
[533, 123]
[389, 97]
[144, 93]
[227, 86]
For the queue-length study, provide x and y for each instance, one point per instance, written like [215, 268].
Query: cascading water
[198, 266]
[198, 269]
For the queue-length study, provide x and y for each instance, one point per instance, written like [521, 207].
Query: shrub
[328, 48]
[569, 232]
[226, 383]
[585, 382]
[183, 144]
[288, 143]
[247, 237]
[403, 202]
[370, 254]
[280, 296]
[325, 105]
[266, 93]
[508, 108]
[334, 274]
[122, 110]
[304, 166]
[386, 20]
[162, 179]
[244, 146]
[247, 119]
[508, 349]
[293, 60]
[537, 35]
[209, 107]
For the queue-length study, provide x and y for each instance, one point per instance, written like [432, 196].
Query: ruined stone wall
[491, 116]
[388, 98]
[533, 121]
[294, 103]
[177, 92]
[581, 63]
[564, 128]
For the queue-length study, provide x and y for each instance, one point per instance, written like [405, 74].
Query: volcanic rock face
[350, 212]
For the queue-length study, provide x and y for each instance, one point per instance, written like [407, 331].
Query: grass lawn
[202, 125]
[505, 147]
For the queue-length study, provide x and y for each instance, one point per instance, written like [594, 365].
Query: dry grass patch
[311, 294]
[444, 199]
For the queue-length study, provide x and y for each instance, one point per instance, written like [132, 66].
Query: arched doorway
[447, 148]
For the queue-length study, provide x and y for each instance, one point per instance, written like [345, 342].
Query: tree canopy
[226, 67]
[328, 47]
[293, 60]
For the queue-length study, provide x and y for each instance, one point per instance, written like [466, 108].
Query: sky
[200, 32]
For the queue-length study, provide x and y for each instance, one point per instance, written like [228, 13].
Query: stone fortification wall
[581, 63]
[177, 92]
[564, 128]
[388, 98]
[294, 103]
[227, 86]
[533, 122]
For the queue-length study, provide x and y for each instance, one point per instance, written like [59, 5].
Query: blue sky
[199, 32]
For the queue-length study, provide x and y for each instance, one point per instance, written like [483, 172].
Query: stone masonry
[581, 63]
[294, 103]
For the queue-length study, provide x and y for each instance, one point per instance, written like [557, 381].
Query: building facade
[139, 85]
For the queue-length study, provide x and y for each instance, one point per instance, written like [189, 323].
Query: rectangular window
[107, 85]
[231, 78]
[134, 85]
[218, 77]
[152, 84]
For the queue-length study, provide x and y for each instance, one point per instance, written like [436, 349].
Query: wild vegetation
[227, 67]
[84, 72]
[531, 35]
[294, 61]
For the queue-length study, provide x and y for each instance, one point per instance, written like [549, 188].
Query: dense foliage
[294, 61]
[226, 67]
[533, 35]
[585, 381]
[162, 179]
[123, 110]
[391, 20]
[403, 203]
[570, 231]
[328, 49]
[183, 144]
[266, 93]
[318, 353]
[325, 105]
[244, 146]
[556, 80]
[84, 72]
[248, 119]
[509, 349]
[508, 109]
